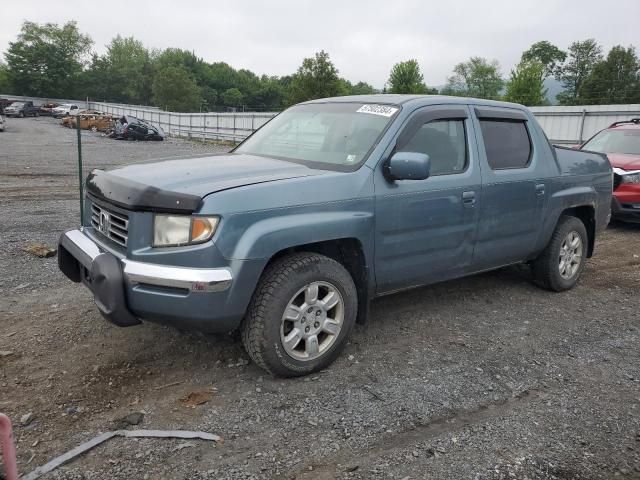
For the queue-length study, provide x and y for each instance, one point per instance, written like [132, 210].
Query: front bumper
[625, 203]
[127, 290]
[625, 212]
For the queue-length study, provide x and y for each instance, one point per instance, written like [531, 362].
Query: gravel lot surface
[482, 378]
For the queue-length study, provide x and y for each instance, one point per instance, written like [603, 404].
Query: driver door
[426, 229]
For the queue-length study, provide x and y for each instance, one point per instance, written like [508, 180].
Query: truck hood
[624, 161]
[180, 185]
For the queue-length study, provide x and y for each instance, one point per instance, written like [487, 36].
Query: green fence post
[80, 169]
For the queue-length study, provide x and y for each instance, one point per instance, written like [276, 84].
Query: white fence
[563, 125]
[570, 125]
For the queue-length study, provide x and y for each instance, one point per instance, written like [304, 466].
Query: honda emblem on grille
[104, 223]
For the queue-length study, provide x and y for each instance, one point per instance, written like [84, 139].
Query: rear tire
[300, 316]
[559, 266]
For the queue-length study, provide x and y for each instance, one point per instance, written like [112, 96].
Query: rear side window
[507, 143]
[445, 142]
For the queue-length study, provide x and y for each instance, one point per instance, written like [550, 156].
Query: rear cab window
[506, 138]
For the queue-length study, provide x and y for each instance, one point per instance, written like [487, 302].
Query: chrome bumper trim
[193, 279]
[85, 250]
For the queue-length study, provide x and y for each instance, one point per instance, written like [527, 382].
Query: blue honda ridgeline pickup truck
[333, 202]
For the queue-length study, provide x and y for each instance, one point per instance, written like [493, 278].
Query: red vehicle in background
[621, 143]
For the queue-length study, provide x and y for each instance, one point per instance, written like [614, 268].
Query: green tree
[269, 95]
[210, 98]
[362, 88]
[5, 83]
[128, 71]
[583, 56]
[47, 60]
[175, 90]
[477, 77]
[614, 80]
[547, 54]
[526, 84]
[317, 77]
[232, 97]
[405, 77]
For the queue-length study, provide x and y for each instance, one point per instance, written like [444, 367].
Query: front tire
[559, 266]
[300, 316]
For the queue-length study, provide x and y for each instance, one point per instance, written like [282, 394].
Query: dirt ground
[487, 377]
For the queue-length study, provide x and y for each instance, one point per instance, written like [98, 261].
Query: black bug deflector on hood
[132, 195]
[178, 186]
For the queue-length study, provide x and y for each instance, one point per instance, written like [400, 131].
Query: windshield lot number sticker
[383, 110]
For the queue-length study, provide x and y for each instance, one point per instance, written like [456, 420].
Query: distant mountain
[554, 87]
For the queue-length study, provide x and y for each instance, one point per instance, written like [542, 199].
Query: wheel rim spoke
[311, 294]
[292, 340]
[312, 347]
[292, 313]
[330, 300]
[331, 327]
[575, 242]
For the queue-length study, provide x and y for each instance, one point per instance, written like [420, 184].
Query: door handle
[540, 189]
[469, 198]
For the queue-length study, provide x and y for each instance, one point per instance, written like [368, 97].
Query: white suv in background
[64, 110]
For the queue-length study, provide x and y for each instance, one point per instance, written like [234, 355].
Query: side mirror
[408, 166]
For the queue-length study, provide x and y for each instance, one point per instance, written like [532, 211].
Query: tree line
[48, 60]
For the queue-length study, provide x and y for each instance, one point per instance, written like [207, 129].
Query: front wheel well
[350, 254]
[587, 216]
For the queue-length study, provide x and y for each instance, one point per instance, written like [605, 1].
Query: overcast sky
[364, 38]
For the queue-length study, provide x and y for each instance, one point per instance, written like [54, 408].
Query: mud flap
[107, 285]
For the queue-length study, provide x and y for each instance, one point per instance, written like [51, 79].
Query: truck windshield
[615, 141]
[326, 135]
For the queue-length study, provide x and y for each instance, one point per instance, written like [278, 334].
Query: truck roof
[417, 100]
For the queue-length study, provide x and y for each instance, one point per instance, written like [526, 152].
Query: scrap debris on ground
[40, 250]
[85, 447]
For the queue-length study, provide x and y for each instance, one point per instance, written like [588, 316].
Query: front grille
[114, 226]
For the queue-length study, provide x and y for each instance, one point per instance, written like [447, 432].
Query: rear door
[513, 188]
[425, 229]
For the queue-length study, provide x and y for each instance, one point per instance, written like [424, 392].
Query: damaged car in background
[46, 109]
[64, 110]
[620, 141]
[93, 120]
[131, 128]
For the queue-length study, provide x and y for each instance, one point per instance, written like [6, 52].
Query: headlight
[627, 176]
[176, 230]
[634, 178]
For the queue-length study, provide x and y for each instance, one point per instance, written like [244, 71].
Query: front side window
[327, 135]
[445, 142]
[507, 143]
[615, 141]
